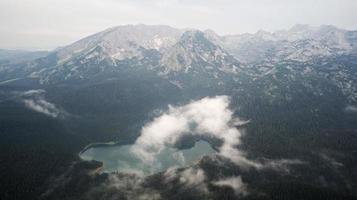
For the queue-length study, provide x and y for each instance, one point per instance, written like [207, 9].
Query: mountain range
[166, 51]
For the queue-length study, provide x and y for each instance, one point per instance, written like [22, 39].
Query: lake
[120, 158]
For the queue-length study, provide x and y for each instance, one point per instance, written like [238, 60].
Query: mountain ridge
[174, 53]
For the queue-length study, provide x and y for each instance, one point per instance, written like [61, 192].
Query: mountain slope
[159, 48]
[122, 42]
[300, 43]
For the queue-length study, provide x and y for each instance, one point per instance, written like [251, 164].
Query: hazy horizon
[45, 25]
[188, 28]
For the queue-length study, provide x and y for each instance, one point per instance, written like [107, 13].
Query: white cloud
[210, 116]
[331, 160]
[235, 183]
[351, 109]
[42, 106]
[282, 164]
[34, 100]
[206, 117]
[33, 92]
[192, 178]
[131, 186]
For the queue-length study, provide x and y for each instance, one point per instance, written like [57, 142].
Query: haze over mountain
[16, 56]
[278, 108]
[44, 25]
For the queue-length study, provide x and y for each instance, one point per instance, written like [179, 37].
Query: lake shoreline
[102, 144]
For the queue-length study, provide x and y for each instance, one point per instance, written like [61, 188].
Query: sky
[47, 24]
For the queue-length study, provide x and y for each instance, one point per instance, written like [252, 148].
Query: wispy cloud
[32, 92]
[235, 183]
[351, 109]
[206, 117]
[42, 106]
[35, 100]
[209, 117]
[122, 186]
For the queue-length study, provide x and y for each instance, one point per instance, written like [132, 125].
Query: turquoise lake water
[122, 159]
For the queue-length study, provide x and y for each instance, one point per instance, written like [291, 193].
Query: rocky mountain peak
[123, 42]
[195, 49]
